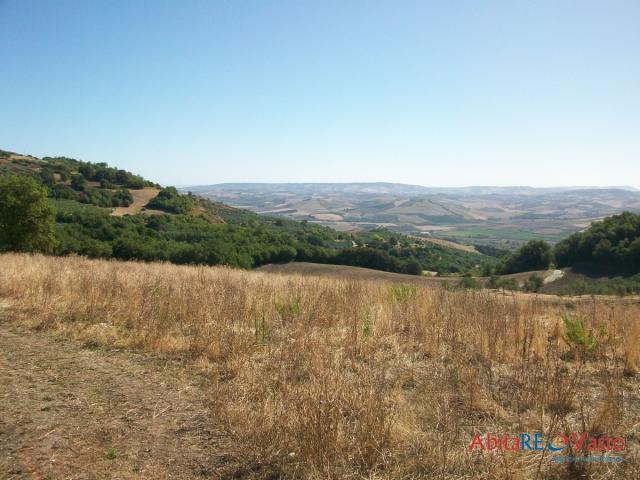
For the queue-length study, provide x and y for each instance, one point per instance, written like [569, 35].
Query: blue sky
[445, 93]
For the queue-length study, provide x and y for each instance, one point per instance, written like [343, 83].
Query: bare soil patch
[70, 411]
[140, 199]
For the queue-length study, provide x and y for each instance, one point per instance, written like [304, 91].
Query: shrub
[402, 293]
[585, 340]
[468, 283]
[533, 283]
[169, 200]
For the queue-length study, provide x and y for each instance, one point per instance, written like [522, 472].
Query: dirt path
[555, 275]
[69, 411]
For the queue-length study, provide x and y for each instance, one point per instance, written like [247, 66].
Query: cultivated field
[310, 377]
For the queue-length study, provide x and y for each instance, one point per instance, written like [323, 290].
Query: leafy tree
[487, 270]
[611, 244]
[26, 216]
[468, 283]
[169, 200]
[493, 282]
[534, 255]
[78, 183]
[412, 268]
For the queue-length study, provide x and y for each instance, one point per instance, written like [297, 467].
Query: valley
[503, 217]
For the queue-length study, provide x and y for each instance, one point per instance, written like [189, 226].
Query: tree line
[611, 246]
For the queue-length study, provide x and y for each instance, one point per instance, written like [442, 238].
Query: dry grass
[326, 378]
[141, 197]
[345, 272]
[449, 244]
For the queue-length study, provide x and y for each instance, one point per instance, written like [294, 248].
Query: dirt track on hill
[70, 411]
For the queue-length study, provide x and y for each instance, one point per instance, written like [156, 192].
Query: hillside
[106, 212]
[349, 273]
[612, 244]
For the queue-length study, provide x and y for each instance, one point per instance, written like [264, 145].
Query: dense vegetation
[432, 257]
[613, 286]
[609, 248]
[612, 244]
[94, 172]
[179, 239]
[533, 255]
[248, 242]
[198, 231]
[71, 179]
[26, 218]
[169, 200]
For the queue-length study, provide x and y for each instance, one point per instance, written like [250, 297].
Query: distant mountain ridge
[390, 188]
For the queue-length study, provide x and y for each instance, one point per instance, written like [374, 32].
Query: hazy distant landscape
[504, 217]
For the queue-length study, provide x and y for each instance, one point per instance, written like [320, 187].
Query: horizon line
[564, 186]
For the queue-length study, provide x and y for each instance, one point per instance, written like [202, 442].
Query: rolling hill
[503, 217]
[106, 212]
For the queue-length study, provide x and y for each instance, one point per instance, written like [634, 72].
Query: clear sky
[438, 93]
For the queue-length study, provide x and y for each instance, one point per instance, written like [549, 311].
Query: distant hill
[390, 188]
[107, 212]
[502, 217]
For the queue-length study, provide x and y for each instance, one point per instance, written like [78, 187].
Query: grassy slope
[349, 273]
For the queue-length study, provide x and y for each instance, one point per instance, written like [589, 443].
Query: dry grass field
[346, 272]
[450, 244]
[312, 377]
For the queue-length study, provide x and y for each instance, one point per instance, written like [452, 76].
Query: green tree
[609, 244]
[26, 216]
[534, 255]
[487, 270]
[78, 183]
[413, 268]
